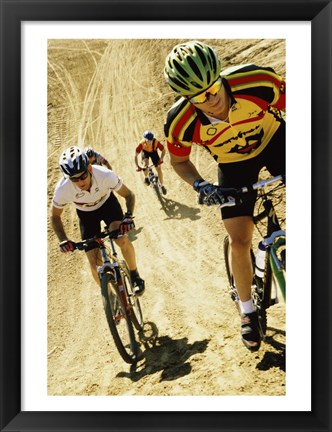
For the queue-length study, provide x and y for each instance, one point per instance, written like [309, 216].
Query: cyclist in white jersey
[89, 189]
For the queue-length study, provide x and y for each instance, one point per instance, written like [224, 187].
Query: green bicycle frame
[277, 266]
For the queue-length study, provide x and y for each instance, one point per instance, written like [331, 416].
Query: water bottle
[260, 260]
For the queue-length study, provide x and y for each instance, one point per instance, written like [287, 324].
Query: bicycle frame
[275, 238]
[276, 265]
[154, 180]
[115, 265]
[153, 177]
[121, 306]
[274, 241]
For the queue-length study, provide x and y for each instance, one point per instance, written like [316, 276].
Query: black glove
[67, 246]
[127, 223]
[208, 193]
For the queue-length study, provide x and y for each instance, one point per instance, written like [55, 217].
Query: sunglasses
[81, 177]
[202, 97]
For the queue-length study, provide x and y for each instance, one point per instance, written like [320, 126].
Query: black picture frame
[12, 13]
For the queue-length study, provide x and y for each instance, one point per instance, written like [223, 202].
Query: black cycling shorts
[90, 221]
[239, 174]
[153, 155]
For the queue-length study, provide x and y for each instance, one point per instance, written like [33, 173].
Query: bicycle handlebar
[233, 196]
[144, 168]
[262, 184]
[84, 243]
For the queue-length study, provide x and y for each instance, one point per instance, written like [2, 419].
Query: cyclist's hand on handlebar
[138, 169]
[127, 223]
[208, 193]
[67, 246]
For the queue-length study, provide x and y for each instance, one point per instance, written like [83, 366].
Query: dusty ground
[106, 93]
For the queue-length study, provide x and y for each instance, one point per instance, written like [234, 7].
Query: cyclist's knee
[123, 242]
[240, 245]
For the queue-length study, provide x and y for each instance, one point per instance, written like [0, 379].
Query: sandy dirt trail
[105, 93]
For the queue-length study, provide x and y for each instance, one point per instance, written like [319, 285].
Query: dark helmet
[191, 67]
[148, 135]
[89, 152]
[73, 161]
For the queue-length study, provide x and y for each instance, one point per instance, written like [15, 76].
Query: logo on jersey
[212, 131]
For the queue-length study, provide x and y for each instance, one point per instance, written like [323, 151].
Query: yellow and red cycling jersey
[257, 95]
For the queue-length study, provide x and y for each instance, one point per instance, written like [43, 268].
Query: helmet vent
[201, 55]
[208, 77]
[180, 84]
[195, 68]
[212, 59]
[180, 69]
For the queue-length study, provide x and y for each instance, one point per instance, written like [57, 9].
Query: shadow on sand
[164, 354]
[276, 358]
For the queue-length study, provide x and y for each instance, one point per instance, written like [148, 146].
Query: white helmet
[73, 161]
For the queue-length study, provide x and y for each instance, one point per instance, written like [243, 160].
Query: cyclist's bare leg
[126, 246]
[95, 260]
[160, 174]
[128, 251]
[240, 231]
[145, 163]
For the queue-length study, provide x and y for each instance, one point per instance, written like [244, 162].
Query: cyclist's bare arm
[129, 196]
[184, 168]
[163, 153]
[57, 223]
[136, 159]
[107, 164]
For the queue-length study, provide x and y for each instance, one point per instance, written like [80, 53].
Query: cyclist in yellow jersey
[235, 115]
[149, 147]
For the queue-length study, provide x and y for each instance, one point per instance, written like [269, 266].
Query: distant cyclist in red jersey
[149, 147]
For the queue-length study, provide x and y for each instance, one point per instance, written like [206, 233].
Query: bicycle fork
[119, 284]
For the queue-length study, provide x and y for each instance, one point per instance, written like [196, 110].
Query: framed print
[52, 360]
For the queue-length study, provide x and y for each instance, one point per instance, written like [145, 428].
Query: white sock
[247, 306]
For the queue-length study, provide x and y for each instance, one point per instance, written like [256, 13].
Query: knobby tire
[114, 307]
[157, 191]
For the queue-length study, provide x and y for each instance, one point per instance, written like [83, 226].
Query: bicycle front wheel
[157, 190]
[118, 319]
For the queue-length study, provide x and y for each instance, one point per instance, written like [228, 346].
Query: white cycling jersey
[104, 182]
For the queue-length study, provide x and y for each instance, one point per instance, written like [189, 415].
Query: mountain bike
[270, 279]
[121, 304]
[154, 182]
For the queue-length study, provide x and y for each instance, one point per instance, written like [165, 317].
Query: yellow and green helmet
[191, 67]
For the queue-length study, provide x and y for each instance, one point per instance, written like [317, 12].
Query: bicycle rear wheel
[136, 314]
[118, 319]
[156, 190]
[257, 294]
